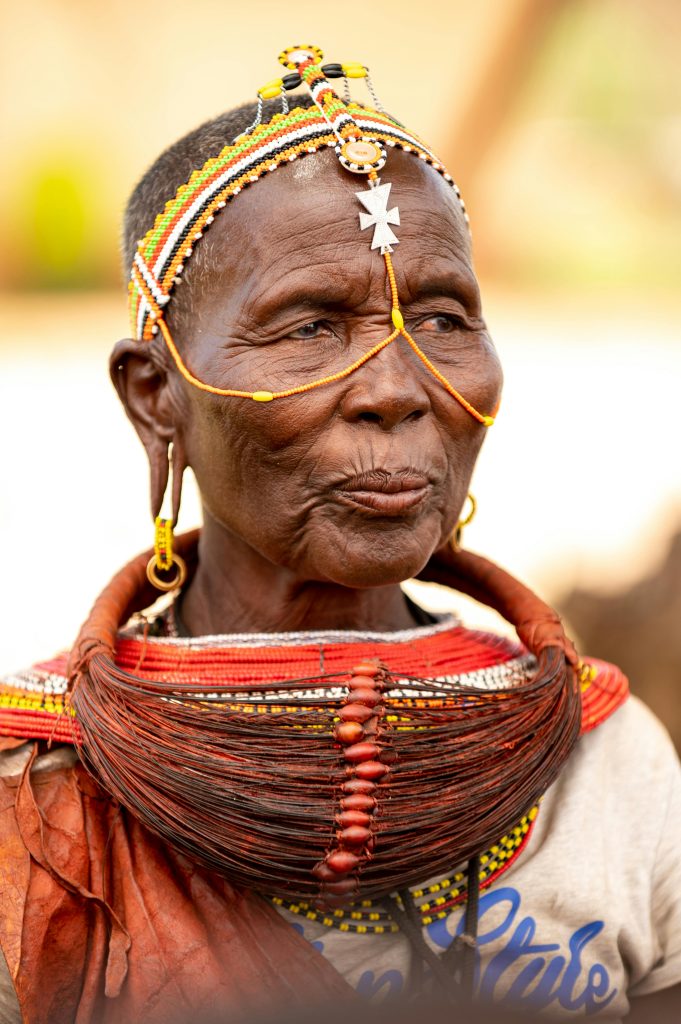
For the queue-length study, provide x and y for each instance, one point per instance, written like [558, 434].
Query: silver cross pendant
[375, 200]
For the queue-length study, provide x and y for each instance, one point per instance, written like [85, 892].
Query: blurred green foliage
[592, 162]
[57, 221]
[61, 221]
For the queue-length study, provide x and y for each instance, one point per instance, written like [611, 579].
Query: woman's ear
[142, 386]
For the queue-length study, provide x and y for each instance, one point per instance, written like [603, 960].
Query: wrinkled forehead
[308, 213]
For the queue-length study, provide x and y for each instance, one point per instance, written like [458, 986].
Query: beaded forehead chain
[360, 136]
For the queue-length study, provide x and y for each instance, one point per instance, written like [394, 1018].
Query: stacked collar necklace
[334, 780]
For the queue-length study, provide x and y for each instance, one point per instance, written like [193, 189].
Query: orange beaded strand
[486, 421]
[269, 396]
[398, 321]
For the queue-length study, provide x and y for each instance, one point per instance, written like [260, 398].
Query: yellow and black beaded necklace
[434, 901]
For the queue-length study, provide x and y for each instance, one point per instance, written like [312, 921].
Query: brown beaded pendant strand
[364, 737]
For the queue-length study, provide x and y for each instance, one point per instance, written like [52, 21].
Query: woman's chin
[359, 561]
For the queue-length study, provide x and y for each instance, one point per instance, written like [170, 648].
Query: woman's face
[359, 481]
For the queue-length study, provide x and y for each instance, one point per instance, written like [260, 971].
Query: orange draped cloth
[103, 923]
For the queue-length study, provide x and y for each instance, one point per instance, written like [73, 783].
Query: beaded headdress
[361, 137]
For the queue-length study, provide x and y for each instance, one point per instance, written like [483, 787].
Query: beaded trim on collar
[33, 702]
[500, 675]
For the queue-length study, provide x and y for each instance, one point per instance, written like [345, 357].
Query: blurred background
[560, 120]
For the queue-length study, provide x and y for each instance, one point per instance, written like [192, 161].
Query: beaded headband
[361, 138]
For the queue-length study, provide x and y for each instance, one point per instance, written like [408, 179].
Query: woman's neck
[236, 590]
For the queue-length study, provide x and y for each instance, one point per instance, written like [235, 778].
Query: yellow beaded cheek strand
[360, 136]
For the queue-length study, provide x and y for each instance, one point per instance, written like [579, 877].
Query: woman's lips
[387, 504]
[388, 494]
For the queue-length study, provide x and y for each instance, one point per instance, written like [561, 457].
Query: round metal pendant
[362, 155]
[294, 56]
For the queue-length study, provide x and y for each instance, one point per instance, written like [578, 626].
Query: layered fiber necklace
[435, 900]
[327, 773]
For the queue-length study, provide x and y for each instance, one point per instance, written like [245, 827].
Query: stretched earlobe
[159, 471]
[162, 460]
[179, 463]
[164, 561]
[141, 385]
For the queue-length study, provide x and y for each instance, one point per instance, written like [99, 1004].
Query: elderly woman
[290, 782]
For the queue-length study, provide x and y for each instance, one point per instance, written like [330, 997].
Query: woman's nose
[387, 390]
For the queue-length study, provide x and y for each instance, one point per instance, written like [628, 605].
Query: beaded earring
[164, 560]
[457, 535]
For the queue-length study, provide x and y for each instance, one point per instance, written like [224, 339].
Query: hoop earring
[457, 535]
[164, 560]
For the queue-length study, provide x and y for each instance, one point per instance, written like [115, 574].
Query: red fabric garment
[104, 924]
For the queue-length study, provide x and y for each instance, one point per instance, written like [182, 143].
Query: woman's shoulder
[633, 735]
[626, 768]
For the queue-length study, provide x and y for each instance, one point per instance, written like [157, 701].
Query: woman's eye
[311, 330]
[443, 323]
